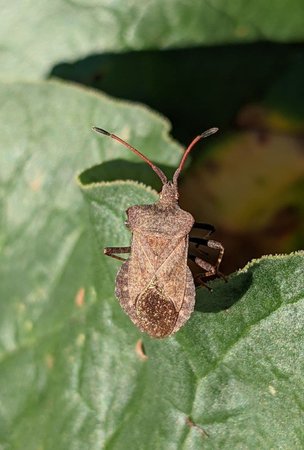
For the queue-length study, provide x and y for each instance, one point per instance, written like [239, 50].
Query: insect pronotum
[155, 286]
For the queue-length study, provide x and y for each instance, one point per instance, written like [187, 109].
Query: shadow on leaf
[223, 295]
[120, 169]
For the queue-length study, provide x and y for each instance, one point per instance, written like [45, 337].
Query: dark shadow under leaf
[223, 295]
[120, 169]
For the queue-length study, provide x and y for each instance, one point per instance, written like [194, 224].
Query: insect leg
[198, 277]
[204, 226]
[198, 241]
[110, 251]
[217, 246]
[209, 268]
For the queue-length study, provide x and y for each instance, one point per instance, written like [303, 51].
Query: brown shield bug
[155, 286]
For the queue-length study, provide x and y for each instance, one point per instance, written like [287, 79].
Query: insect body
[155, 286]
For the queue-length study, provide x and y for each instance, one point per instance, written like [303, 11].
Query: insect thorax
[155, 218]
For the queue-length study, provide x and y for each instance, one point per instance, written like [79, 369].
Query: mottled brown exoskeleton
[155, 286]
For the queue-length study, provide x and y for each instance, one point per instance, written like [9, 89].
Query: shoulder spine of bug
[155, 286]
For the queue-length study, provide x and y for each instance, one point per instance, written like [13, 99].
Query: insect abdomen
[156, 314]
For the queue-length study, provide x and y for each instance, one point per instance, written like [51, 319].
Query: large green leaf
[70, 377]
[34, 38]
[46, 256]
[231, 378]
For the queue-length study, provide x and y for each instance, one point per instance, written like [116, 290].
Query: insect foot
[155, 286]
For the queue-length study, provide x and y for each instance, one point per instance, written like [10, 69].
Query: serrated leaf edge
[115, 183]
[276, 256]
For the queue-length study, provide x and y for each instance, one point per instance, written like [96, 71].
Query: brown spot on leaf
[241, 31]
[140, 351]
[49, 361]
[79, 297]
[36, 183]
[191, 424]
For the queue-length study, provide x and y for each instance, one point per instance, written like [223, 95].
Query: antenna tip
[100, 130]
[209, 132]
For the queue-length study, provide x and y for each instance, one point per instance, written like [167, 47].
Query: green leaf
[237, 361]
[62, 31]
[70, 377]
[47, 257]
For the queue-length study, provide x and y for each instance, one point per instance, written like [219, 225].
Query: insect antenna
[188, 150]
[156, 169]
